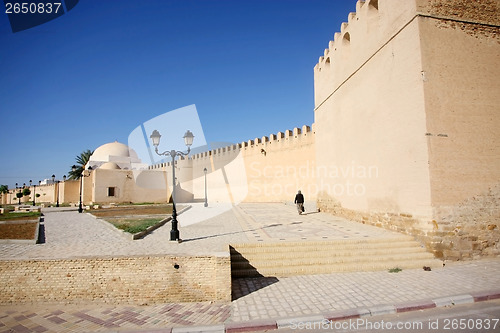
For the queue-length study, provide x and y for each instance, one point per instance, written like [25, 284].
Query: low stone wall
[118, 280]
[469, 230]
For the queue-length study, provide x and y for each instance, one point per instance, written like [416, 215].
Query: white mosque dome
[115, 156]
[116, 149]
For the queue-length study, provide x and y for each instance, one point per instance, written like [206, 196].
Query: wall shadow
[242, 287]
[41, 232]
[251, 280]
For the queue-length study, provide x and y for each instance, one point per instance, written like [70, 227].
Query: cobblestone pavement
[283, 223]
[310, 294]
[69, 234]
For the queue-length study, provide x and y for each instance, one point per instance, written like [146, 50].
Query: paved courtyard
[69, 234]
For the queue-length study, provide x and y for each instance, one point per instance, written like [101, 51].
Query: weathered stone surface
[135, 280]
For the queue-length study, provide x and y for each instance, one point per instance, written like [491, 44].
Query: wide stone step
[321, 260]
[321, 257]
[317, 246]
[311, 251]
[305, 243]
[335, 268]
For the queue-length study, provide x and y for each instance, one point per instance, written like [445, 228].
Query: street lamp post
[24, 187]
[188, 140]
[57, 189]
[64, 182]
[17, 195]
[34, 192]
[80, 208]
[205, 171]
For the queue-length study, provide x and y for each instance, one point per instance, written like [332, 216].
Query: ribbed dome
[110, 149]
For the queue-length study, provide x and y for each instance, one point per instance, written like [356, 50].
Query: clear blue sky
[94, 74]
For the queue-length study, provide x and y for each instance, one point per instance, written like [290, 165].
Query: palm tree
[4, 189]
[81, 161]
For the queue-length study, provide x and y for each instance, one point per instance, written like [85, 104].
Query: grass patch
[134, 226]
[395, 270]
[11, 216]
[135, 218]
[134, 210]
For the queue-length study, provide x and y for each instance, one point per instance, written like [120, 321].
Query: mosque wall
[88, 188]
[281, 164]
[370, 114]
[460, 65]
[69, 191]
[411, 89]
[8, 198]
[460, 56]
[118, 186]
[266, 169]
[47, 193]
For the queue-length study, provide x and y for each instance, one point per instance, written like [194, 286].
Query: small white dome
[110, 166]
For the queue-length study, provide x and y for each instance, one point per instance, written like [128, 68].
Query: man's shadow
[309, 213]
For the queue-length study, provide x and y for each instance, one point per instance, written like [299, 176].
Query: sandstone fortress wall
[266, 169]
[412, 87]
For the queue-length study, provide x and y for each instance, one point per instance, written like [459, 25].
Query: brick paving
[69, 234]
[92, 318]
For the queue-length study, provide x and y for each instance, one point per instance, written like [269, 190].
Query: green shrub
[395, 270]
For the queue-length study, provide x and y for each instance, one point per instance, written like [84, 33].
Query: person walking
[299, 200]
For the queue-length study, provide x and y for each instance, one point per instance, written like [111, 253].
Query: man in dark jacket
[299, 200]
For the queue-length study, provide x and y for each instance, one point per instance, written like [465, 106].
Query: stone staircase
[281, 259]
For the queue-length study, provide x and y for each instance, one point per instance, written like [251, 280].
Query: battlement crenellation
[376, 22]
[278, 139]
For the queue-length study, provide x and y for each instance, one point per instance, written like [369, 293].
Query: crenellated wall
[409, 89]
[279, 165]
[266, 169]
[370, 105]
[374, 24]
[48, 194]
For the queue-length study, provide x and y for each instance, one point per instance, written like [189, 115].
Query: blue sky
[94, 74]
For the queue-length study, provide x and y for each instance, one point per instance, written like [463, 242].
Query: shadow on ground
[41, 232]
[245, 286]
[230, 233]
